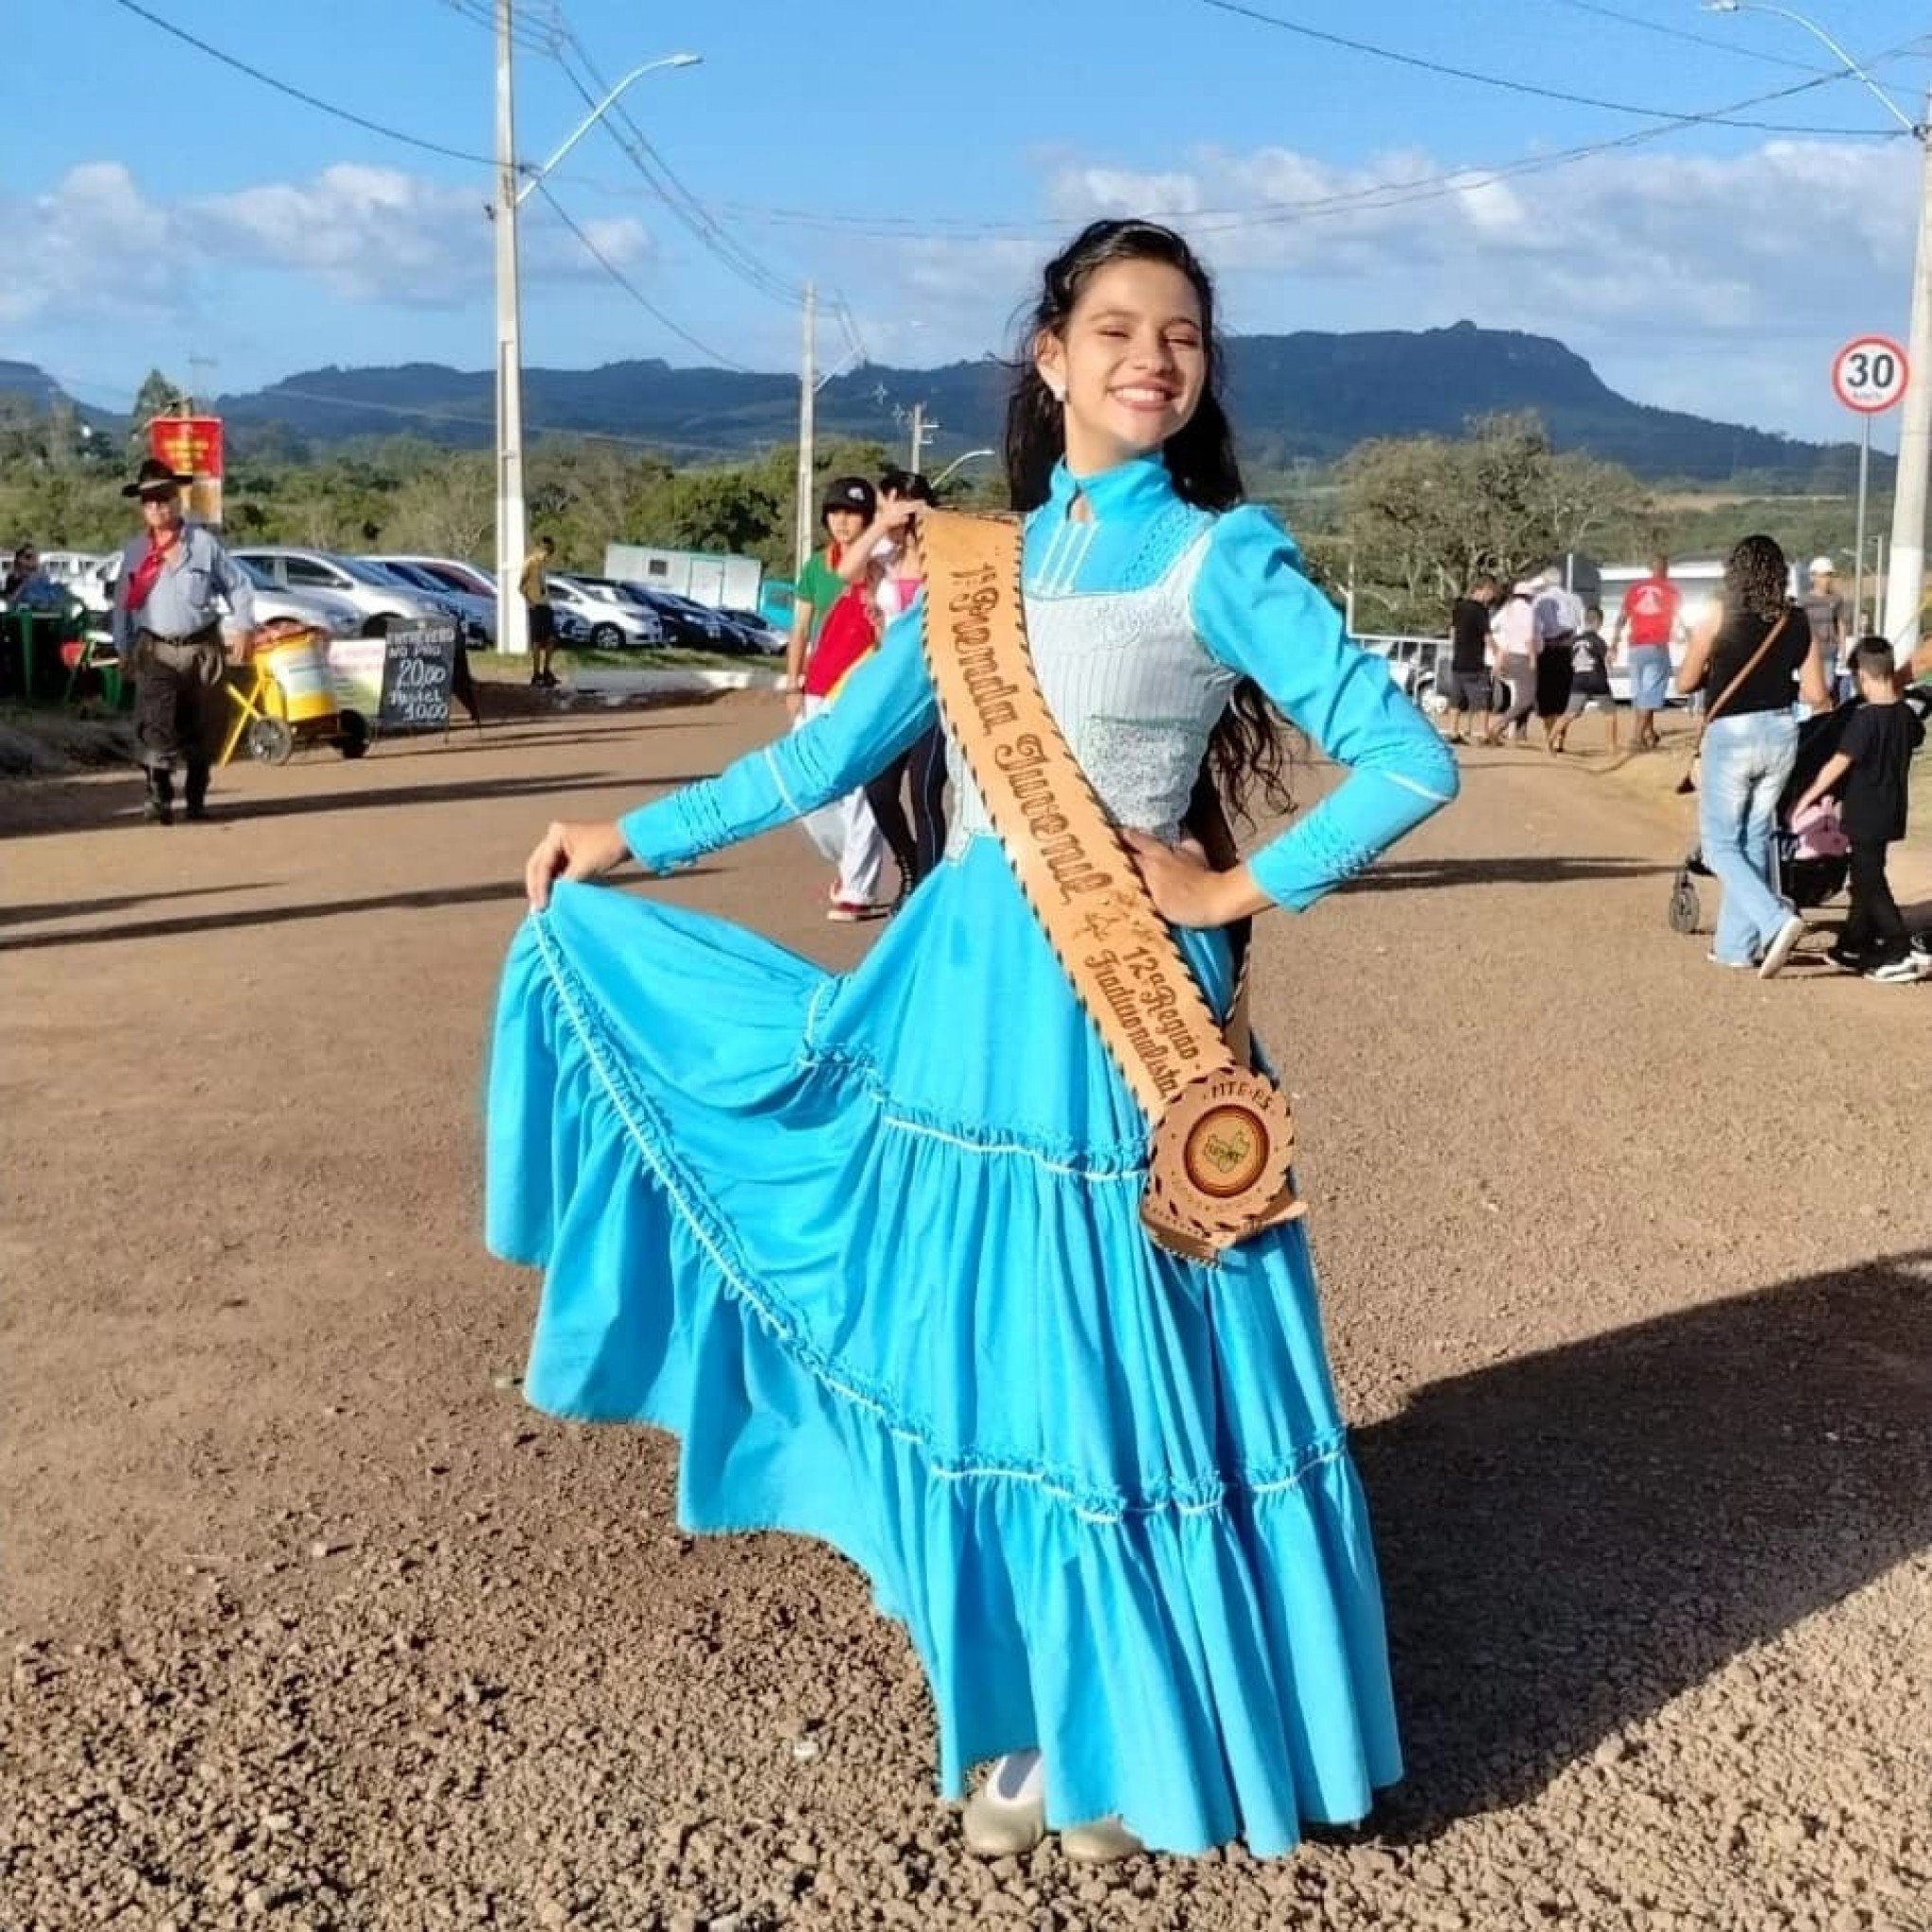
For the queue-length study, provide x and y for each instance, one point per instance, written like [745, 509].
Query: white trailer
[706, 576]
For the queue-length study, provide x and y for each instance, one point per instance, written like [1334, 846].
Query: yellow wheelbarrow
[284, 696]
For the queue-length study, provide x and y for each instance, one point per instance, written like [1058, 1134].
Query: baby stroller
[1804, 879]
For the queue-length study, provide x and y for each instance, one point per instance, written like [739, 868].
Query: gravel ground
[1628, 1266]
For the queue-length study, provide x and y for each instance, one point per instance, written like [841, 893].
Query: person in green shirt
[846, 512]
[844, 831]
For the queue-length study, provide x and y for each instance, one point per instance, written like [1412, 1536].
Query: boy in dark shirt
[1589, 681]
[1468, 683]
[1872, 761]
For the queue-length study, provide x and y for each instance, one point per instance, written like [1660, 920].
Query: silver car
[478, 611]
[610, 621]
[381, 598]
[334, 615]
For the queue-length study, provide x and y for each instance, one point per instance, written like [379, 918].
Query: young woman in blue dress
[871, 1243]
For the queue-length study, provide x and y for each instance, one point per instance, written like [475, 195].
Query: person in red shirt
[834, 627]
[1650, 614]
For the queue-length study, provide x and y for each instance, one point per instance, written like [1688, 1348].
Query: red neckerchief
[142, 578]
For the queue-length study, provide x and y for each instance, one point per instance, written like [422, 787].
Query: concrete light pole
[1904, 587]
[513, 533]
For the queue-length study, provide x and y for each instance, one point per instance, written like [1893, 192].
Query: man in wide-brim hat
[178, 589]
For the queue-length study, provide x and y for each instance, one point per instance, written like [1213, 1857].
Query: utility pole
[805, 524]
[922, 433]
[513, 536]
[1904, 587]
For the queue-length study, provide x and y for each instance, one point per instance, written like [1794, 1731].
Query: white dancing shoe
[1100, 1843]
[1007, 1817]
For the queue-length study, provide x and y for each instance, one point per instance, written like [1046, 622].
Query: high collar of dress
[1129, 489]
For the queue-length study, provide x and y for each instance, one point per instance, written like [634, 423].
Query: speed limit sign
[1869, 374]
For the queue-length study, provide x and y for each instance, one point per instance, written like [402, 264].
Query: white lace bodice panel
[1131, 686]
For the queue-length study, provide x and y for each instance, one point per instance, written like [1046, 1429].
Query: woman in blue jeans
[1751, 744]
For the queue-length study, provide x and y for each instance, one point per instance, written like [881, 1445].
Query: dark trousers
[180, 707]
[1874, 930]
[916, 844]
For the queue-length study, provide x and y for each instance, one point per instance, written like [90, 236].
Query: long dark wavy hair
[1249, 745]
[1754, 577]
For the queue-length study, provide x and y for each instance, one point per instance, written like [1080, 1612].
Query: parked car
[65, 566]
[335, 616]
[453, 572]
[478, 612]
[611, 622]
[698, 626]
[767, 636]
[380, 597]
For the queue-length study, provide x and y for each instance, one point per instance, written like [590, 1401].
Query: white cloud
[96, 244]
[1718, 283]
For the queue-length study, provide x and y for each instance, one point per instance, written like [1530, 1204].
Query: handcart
[284, 696]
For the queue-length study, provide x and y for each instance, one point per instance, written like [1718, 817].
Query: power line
[1681, 33]
[665, 185]
[482, 13]
[635, 293]
[1370, 198]
[1509, 86]
[341, 114]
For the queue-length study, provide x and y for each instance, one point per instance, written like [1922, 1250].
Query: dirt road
[1629, 1275]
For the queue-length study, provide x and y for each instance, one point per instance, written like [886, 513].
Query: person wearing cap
[833, 628]
[176, 593]
[1825, 609]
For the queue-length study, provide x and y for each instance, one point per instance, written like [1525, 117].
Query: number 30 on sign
[1869, 374]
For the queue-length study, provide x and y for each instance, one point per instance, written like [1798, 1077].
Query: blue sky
[164, 207]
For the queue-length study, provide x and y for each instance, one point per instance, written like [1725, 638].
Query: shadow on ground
[425, 901]
[1570, 1540]
[1419, 875]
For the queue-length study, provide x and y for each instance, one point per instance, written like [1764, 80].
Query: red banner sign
[192, 446]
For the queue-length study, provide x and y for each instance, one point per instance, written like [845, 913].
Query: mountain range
[1306, 397]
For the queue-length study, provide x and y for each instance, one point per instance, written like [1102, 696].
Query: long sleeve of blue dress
[1259, 615]
[882, 708]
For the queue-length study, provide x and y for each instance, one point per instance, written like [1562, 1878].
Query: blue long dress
[869, 1243]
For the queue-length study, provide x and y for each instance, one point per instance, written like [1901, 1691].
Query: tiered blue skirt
[869, 1244]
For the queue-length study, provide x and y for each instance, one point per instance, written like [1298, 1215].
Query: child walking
[888, 1279]
[1589, 682]
[1869, 773]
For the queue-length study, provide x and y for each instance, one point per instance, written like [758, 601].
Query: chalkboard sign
[417, 665]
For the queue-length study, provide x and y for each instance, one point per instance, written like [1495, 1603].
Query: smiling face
[1131, 364]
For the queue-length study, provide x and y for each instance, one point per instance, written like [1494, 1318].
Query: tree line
[1409, 521]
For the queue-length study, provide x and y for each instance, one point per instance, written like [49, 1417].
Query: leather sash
[1221, 1134]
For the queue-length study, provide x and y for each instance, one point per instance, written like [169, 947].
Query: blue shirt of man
[200, 584]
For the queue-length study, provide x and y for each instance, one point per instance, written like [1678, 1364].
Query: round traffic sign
[1869, 373]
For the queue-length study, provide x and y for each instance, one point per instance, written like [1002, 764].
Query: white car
[611, 622]
[316, 608]
[381, 598]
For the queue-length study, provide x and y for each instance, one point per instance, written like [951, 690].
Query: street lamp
[971, 455]
[1905, 579]
[514, 184]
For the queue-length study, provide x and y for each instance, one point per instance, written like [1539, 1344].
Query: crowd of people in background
[1753, 664]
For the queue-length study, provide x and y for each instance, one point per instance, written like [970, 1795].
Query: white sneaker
[1006, 1815]
[1907, 972]
[1779, 950]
